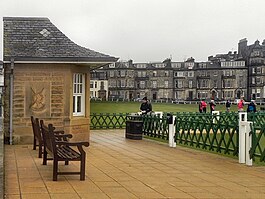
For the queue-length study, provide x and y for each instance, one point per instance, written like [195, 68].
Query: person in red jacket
[202, 106]
[240, 104]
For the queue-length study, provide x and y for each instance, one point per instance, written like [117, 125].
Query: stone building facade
[46, 76]
[223, 76]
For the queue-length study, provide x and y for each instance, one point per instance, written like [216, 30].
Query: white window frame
[79, 92]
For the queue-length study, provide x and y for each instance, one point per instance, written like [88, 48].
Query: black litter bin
[134, 128]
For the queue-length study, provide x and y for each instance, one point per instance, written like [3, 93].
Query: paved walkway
[121, 168]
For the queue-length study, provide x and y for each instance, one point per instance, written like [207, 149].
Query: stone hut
[48, 76]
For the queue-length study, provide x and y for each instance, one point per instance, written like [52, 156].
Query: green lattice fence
[155, 126]
[108, 121]
[217, 133]
[257, 151]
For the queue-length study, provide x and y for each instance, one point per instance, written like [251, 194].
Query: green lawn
[133, 107]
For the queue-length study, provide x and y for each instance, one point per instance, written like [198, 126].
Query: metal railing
[211, 132]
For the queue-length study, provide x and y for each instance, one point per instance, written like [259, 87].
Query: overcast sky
[149, 30]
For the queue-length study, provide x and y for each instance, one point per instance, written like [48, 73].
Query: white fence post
[245, 139]
[217, 117]
[242, 137]
[171, 133]
[248, 144]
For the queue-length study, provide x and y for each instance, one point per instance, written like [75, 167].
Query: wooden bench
[37, 136]
[61, 150]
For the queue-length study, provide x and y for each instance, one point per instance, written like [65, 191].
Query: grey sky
[149, 30]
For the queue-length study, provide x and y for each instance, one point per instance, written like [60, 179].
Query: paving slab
[121, 168]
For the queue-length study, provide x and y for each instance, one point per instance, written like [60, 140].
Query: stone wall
[44, 91]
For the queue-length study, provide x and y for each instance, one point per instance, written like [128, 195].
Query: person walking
[212, 105]
[228, 105]
[202, 106]
[146, 106]
[252, 107]
[240, 104]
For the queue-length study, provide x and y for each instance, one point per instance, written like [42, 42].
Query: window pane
[78, 103]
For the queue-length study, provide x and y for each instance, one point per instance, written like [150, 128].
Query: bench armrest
[86, 144]
[58, 132]
[63, 137]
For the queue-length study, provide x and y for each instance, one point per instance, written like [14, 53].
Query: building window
[91, 84]
[142, 84]
[258, 70]
[228, 94]
[253, 80]
[190, 84]
[253, 70]
[154, 84]
[215, 73]
[180, 84]
[123, 83]
[227, 83]
[258, 93]
[96, 85]
[180, 74]
[190, 74]
[204, 83]
[111, 73]
[154, 73]
[79, 94]
[166, 84]
[203, 95]
[166, 74]
[122, 73]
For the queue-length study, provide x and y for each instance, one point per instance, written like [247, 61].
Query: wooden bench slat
[61, 150]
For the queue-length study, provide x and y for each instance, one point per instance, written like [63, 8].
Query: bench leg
[40, 150]
[34, 143]
[55, 170]
[44, 157]
[83, 168]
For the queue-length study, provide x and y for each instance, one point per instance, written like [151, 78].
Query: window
[154, 73]
[111, 73]
[91, 84]
[142, 84]
[190, 74]
[176, 65]
[180, 74]
[258, 80]
[253, 80]
[112, 83]
[180, 84]
[166, 74]
[102, 85]
[258, 70]
[154, 84]
[258, 93]
[190, 84]
[227, 83]
[228, 94]
[122, 73]
[130, 83]
[166, 84]
[123, 83]
[253, 70]
[204, 83]
[203, 95]
[79, 94]
[96, 85]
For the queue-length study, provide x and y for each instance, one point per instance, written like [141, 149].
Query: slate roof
[37, 39]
